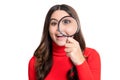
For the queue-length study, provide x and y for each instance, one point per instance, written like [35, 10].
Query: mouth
[60, 37]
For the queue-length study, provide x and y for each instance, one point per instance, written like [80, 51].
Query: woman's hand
[73, 51]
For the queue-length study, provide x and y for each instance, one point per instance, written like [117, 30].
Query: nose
[58, 27]
[58, 31]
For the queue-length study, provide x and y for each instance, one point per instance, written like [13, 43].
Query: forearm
[84, 72]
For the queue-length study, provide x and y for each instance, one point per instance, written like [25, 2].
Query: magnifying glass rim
[59, 26]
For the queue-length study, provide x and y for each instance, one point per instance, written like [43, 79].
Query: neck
[58, 50]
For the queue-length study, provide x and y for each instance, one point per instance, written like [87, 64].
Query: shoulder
[91, 53]
[31, 69]
[32, 61]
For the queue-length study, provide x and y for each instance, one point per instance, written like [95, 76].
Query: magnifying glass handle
[67, 41]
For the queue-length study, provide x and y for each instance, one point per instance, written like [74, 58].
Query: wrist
[80, 61]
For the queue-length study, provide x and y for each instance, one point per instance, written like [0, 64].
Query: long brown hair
[43, 53]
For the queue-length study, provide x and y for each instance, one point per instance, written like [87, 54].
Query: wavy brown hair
[43, 53]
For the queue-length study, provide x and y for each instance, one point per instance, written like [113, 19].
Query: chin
[61, 43]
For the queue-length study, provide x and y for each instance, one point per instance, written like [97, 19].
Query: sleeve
[31, 69]
[90, 69]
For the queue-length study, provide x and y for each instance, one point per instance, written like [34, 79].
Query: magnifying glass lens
[68, 26]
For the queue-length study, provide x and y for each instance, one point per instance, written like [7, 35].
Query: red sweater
[88, 70]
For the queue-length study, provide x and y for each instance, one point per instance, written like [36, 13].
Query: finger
[68, 50]
[68, 54]
[68, 45]
[71, 40]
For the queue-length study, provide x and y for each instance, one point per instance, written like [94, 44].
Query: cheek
[52, 30]
[70, 31]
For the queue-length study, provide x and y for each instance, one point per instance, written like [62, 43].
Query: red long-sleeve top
[90, 69]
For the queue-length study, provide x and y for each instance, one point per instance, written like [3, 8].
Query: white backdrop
[21, 24]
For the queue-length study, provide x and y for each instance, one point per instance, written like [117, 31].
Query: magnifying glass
[68, 26]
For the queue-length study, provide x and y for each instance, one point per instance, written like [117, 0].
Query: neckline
[58, 50]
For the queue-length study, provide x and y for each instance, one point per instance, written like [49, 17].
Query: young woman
[63, 58]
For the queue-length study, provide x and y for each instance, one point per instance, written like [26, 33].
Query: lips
[60, 37]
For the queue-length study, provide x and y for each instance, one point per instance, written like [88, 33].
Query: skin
[72, 48]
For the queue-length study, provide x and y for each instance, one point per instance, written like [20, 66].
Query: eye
[66, 21]
[53, 23]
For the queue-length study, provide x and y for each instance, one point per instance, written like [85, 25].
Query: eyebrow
[53, 19]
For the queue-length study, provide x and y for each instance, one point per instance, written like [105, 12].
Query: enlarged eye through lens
[66, 21]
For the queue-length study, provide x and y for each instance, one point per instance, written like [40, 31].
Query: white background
[21, 24]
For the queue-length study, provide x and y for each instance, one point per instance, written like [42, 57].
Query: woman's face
[56, 36]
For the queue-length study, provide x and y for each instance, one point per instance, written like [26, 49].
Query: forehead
[58, 14]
